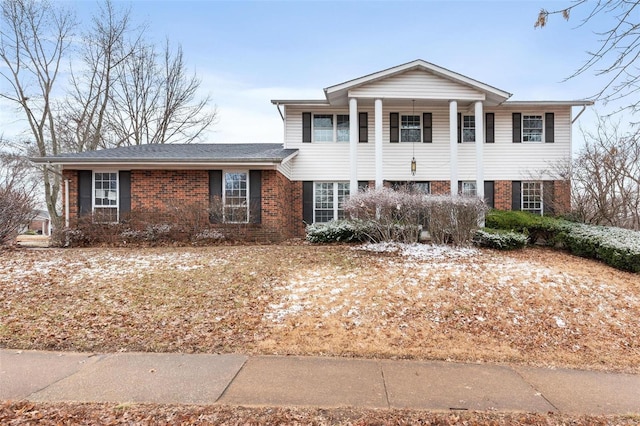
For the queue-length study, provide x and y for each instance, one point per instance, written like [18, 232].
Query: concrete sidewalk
[311, 381]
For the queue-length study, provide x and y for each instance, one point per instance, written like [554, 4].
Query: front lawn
[535, 306]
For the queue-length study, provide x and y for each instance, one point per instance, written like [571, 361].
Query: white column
[378, 141]
[453, 145]
[353, 145]
[479, 118]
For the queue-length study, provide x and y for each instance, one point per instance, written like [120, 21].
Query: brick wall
[502, 194]
[562, 196]
[161, 191]
[440, 187]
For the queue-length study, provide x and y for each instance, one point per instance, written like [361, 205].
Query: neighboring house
[41, 223]
[416, 124]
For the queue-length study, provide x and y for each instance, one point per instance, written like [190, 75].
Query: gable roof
[176, 155]
[337, 91]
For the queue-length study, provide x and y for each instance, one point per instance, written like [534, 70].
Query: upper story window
[468, 128]
[531, 128]
[235, 197]
[105, 196]
[532, 197]
[331, 128]
[410, 128]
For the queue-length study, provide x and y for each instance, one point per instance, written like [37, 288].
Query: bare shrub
[401, 215]
[453, 219]
[393, 215]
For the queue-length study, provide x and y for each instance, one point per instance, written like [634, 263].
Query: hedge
[499, 239]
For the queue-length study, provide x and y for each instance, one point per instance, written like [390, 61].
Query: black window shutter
[489, 194]
[427, 127]
[549, 119]
[307, 202]
[489, 127]
[85, 190]
[215, 196]
[125, 193]
[517, 127]
[516, 187]
[306, 127]
[363, 127]
[459, 128]
[547, 198]
[394, 127]
[255, 196]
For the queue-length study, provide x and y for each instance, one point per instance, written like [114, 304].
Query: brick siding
[159, 191]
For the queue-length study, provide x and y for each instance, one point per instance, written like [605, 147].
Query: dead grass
[14, 413]
[536, 306]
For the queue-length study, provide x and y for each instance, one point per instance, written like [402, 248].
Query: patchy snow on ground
[420, 251]
[97, 264]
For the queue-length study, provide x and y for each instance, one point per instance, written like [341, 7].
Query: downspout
[579, 114]
[66, 194]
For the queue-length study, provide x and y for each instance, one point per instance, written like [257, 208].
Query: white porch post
[378, 141]
[479, 118]
[353, 145]
[453, 145]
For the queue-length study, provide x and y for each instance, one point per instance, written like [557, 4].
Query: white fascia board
[300, 102]
[159, 165]
[284, 160]
[580, 102]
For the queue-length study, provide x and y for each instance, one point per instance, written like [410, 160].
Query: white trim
[224, 194]
[541, 185]
[453, 146]
[479, 123]
[93, 193]
[543, 119]
[353, 143]
[420, 124]
[417, 64]
[378, 142]
[335, 197]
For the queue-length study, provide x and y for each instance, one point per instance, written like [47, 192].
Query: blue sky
[247, 53]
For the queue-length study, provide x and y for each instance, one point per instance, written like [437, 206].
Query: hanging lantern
[413, 166]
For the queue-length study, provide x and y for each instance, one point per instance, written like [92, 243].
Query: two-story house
[415, 124]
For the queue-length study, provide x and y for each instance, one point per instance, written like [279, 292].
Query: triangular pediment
[416, 80]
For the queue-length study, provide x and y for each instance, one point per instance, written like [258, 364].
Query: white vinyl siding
[503, 160]
[417, 84]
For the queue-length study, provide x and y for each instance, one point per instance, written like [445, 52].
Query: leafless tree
[17, 188]
[605, 177]
[34, 38]
[155, 99]
[618, 52]
[83, 121]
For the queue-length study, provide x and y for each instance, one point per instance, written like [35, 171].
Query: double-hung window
[468, 189]
[532, 197]
[105, 196]
[331, 128]
[468, 128]
[329, 198]
[235, 197]
[531, 128]
[410, 130]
